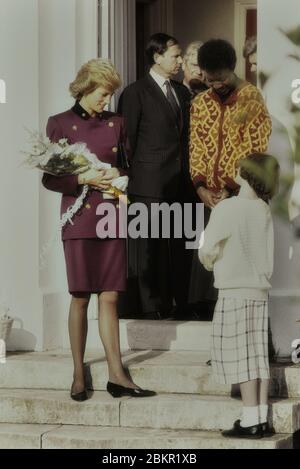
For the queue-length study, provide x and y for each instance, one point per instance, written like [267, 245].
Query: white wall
[203, 20]
[19, 200]
[57, 68]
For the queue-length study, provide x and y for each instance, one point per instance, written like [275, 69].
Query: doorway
[245, 26]
[190, 20]
[152, 16]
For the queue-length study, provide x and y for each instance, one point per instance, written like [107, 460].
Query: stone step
[165, 411]
[72, 437]
[155, 335]
[179, 372]
[24, 436]
[203, 413]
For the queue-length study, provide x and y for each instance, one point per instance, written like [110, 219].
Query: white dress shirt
[161, 81]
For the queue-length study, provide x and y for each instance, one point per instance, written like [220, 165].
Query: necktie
[172, 100]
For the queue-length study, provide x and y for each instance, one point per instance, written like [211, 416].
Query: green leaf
[293, 35]
[263, 78]
[294, 56]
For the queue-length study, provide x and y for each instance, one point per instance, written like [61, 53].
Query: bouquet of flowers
[62, 159]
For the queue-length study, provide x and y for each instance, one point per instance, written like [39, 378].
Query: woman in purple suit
[93, 265]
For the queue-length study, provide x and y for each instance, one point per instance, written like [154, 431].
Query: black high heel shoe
[79, 396]
[115, 390]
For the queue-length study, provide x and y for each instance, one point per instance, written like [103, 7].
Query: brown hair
[159, 44]
[95, 73]
[261, 171]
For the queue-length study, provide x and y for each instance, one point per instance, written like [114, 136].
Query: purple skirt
[95, 265]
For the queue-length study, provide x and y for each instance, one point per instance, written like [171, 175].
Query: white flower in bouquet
[61, 158]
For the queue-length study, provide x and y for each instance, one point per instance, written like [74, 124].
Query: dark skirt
[95, 265]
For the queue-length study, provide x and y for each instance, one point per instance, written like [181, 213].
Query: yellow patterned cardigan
[222, 134]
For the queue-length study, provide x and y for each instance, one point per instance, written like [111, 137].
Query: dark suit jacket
[158, 140]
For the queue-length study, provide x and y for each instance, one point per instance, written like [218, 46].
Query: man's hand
[209, 198]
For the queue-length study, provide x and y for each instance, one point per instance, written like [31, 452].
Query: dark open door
[251, 30]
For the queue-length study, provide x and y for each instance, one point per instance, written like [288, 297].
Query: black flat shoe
[255, 431]
[267, 430]
[115, 390]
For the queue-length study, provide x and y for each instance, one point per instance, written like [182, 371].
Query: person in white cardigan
[239, 247]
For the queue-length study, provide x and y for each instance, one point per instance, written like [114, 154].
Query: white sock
[250, 416]
[263, 413]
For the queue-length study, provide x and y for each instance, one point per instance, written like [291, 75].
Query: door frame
[240, 15]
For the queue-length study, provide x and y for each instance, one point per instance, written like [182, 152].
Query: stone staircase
[188, 412]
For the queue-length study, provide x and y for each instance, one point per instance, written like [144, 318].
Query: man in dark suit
[156, 111]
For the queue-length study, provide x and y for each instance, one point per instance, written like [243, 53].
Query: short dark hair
[261, 171]
[159, 44]
[217, 54]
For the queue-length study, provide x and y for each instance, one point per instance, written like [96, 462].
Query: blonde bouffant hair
[95, 73]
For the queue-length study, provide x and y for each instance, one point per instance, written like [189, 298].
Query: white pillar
[19, 187]
[57, 68]
[68, 38]
[86, 31]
